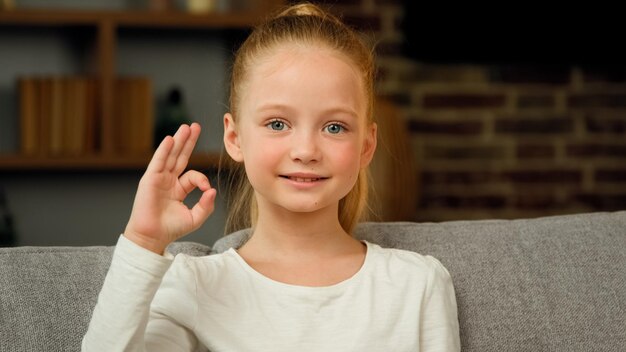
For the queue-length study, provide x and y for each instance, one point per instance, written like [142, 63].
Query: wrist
[145, 242]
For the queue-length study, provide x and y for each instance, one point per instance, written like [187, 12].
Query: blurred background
[484, 112]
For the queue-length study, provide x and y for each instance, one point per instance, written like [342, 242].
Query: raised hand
[159, 215]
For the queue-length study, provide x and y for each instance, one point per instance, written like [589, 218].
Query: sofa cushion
[547, 284]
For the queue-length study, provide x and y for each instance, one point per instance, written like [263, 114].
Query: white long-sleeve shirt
[398, 301]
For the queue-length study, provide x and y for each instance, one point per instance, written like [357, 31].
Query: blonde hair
[298, 24]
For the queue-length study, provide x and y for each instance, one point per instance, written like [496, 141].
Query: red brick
[535, 201]
[546, 176]
[610, 175]
[459, 177]
[547, 125]
[608, 125]
[597, 101]
[455, 201]
[602, 202]
[463, 101]
[589, 150]
[464, 152]
[535, 74]
[535, 101]
[532, 150]
[429, 126]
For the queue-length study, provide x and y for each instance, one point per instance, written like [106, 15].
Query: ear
[231, 138]
[369, 145]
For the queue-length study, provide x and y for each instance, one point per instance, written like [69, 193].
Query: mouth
[303, 178]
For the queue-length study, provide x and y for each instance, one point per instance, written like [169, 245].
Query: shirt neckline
[286, 286]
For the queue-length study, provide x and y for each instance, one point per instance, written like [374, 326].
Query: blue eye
[334, 128]
[276, 125]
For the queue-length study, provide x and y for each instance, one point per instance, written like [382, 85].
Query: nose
[305, 147]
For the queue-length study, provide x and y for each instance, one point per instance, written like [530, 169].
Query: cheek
[346, 157]
[261, 154]
[264, 148]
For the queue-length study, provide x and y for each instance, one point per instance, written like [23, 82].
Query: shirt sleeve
[122, 319]
[440, 323]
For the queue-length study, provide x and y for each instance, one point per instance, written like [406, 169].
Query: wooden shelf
[198, 161]
[148, 19]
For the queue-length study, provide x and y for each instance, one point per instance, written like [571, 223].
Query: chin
[304, 207]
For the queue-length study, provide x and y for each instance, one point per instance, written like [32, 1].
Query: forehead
[306, 76]
[283, 57]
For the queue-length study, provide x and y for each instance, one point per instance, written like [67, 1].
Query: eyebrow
[277, 106]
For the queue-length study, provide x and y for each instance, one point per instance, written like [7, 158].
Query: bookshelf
[199, 161]
[102, 30]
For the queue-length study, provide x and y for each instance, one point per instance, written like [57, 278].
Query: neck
[284, 233]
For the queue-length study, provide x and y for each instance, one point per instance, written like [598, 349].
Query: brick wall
[501, 141]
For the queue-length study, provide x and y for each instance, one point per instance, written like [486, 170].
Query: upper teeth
[300, 179]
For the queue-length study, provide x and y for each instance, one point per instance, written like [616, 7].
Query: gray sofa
[547, 284]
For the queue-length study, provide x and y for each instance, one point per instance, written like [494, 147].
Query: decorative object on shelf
[7, 5]
[160, 5]
[7, 231]
[201, 6]
[173, 114]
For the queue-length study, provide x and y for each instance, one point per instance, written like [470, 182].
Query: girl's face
[302, 131]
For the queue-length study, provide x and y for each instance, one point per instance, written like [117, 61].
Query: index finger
[159, 159]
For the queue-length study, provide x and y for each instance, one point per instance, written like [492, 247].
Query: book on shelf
[29, 116]
[59, 116]
[134, 116]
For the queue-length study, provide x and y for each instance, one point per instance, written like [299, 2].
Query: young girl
[301, 126]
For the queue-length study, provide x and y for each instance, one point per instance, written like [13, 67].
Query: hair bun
[304, 9]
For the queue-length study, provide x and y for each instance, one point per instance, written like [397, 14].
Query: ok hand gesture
[159, 216]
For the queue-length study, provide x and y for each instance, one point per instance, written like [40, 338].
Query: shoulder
[200, 265]
[402, 257]
[189, 274]
[204, 272]
[408, 263]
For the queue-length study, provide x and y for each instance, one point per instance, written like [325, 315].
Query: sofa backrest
[547, 284]
[47, 294]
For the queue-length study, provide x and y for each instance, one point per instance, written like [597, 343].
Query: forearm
[121, 314]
